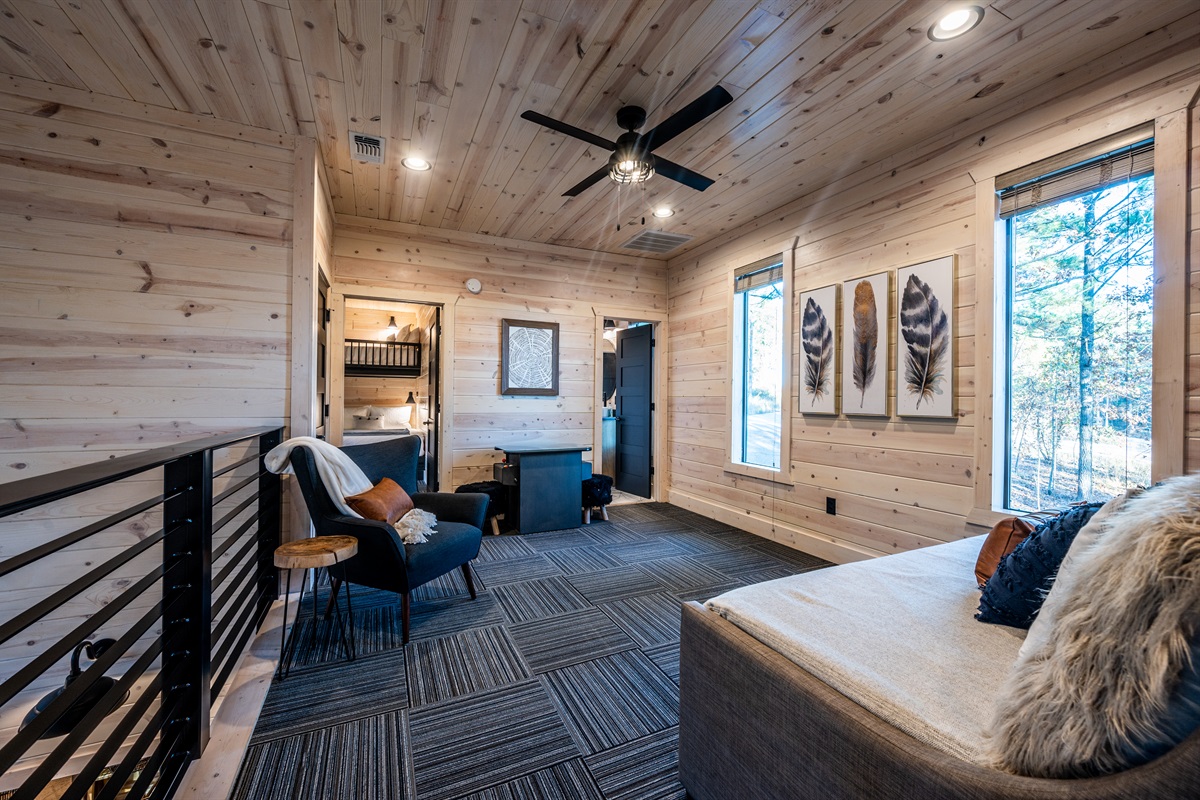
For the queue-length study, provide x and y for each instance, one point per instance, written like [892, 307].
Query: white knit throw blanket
[342, 478]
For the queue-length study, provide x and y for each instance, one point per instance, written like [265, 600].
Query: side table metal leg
[312, 639]
[350, 621]
[280, 672]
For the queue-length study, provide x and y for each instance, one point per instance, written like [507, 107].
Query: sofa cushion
[1015, 592]
[1003, 539]
[1114, 683]
[386, 501]
[454, 543]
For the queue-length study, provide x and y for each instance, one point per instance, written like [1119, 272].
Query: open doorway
[627, 429]
[391, 376]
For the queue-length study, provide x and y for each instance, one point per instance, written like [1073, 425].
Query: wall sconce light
[84, 704]
[410, 400]
[392, 329]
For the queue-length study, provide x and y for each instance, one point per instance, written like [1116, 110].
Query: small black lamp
[85, 702]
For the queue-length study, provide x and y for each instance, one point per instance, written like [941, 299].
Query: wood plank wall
[1192, 451]
[898, 484]
[521, 281]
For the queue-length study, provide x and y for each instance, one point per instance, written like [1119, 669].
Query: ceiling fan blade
[708, 103]
[587, 182]
[569, 130]
[669, 169]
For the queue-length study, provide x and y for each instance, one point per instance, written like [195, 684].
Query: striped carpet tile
[615, 584]
[326, 764]
[463, 663]
[557, 540]
[615, 533]
[560, 641]
[789, 555]
[637, 512]
[332, 694]
[470, 743]
[666, 658]
[433, 618]
[740, 561]
[645, 769]
[612, 700]
[682, 573]
[762, 576]
[569, 780]
[535, 599]
[635, 552]
[452, 584]
[650, 619]
[706, 593]
[577, 560]
[694, 542]
[494, 548]
[511, 570]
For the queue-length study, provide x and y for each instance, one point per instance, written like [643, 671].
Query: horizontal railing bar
[66, 540]
[244, 635]
[250, 544]
[27, 493]
[17, 746]
[122, 771]
[66, 748]
[28, 673]
[242, 506]
[247, 568]
[232, 490]
[239, 595]
[226, 648]
[231, 467]
[166, 748]
[220, 549]
[75, 587]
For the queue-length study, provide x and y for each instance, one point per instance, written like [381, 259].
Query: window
[1080, 310]
[759, 317]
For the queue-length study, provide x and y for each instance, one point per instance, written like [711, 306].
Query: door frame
[339, 291]
[660, 416]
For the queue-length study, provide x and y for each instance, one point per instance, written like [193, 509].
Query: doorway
[391, 377]
[627, 441]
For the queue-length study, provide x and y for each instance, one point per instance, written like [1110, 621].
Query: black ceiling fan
[632, 160]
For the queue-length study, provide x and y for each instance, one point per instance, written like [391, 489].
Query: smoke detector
[365, 147]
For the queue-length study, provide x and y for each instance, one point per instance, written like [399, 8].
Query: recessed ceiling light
[663, 212]
[415, 163]
[955, 23]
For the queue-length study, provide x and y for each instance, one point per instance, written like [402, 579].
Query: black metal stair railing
[165, 629]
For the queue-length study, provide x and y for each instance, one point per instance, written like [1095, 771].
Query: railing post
[187, 592]
[269, 517]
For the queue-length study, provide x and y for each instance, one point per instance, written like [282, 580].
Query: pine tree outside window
[758, 374]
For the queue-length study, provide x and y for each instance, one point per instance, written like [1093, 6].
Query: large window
[758, 363]
[1080, 245]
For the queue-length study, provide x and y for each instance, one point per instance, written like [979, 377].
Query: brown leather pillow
[1004, 538]
[386, 501]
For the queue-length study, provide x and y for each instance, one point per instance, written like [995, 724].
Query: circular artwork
[530, 358]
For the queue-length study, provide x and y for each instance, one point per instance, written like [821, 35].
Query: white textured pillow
[394, 416]
[1113, 684]
[349, 415]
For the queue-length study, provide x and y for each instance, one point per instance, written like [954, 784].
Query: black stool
[495, 493]
[597, 493]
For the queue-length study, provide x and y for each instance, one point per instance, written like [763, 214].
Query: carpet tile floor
[560, 681]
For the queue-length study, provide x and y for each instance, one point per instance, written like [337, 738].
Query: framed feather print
[925, 339]
[818, 351]
[865, 345]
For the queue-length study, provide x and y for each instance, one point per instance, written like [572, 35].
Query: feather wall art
[818, 344]
[925, 340]
[865, 345]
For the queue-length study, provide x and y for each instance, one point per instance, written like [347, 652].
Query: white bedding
[897, 635]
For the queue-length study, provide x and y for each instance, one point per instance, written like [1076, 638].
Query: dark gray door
[433, 394]
[321, 360]
[635, 408]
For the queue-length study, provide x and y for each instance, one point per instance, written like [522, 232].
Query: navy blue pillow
[1014, 594]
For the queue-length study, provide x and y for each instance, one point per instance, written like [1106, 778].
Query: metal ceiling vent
[657, 241]
[364, 147]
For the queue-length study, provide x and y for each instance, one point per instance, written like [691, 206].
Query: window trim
[786, 253]
[1169, 399]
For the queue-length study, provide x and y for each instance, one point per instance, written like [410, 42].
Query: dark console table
[543, 486]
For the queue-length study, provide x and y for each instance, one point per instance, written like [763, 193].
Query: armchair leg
[587, 516]
[604, 512]
[404, 615]
[335, 584]
[495, 526]
[466, 568]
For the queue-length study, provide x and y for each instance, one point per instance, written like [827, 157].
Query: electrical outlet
[831, 506]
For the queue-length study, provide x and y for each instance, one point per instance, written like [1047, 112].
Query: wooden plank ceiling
[820, 87]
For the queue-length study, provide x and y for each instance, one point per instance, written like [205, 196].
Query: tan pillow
[1004, 538]
[386, 501]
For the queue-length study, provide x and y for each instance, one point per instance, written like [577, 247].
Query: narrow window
[758, 332]
[1080, 246]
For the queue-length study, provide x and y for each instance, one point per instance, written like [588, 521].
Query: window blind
[760, 273]
[1127, 155]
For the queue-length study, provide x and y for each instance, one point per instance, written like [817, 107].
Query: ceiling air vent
[364, 147]
[657, 241]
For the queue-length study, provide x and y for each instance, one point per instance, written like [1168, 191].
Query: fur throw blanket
[1114, 682]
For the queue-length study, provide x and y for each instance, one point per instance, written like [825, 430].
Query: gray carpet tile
[707, 593]
[666, 658]
[539, 598]
[471, 743]
[560, 641]
[452, 584]
[495, 548]
[615, 584]
[789, 555]
[614, 533]
[762, 576]
[694, 542]
[557, 540]
[577, 560]
[740, 561]
[569, 780]
[649, 619]
[511, 570]
[644, 769]
[376, 630]
[463, 663]
[682, 573]
[434, 618]
[646, 550]
[334, 693]
[613, 700]
[328, 763]
[637, 512]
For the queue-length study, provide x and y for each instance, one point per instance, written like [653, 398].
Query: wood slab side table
[306, 554]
